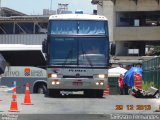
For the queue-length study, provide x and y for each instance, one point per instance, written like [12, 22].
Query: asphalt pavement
[80, 107]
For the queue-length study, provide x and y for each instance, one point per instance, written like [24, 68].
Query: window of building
[136, 19]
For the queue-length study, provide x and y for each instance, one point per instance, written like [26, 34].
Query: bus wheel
[53, 93]
[56, 93]
[99, 93]
[41, 89]
[89, 93]
[93, 93]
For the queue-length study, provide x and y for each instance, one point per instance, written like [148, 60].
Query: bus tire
[88, 93]
[41, 89]
[49, 93]
[99, 93]
[53, 93]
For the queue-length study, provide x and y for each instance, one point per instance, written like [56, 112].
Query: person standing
[121, 84]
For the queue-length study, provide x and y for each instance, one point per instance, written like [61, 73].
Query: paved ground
[78, 105]
[71, 107]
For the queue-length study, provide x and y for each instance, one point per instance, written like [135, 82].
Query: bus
[77, 54]
[25, 64]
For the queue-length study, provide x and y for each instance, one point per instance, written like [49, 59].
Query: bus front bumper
[76, 83]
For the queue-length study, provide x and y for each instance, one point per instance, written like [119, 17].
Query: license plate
[77, 83]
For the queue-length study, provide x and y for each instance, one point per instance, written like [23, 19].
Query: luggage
[150, 93]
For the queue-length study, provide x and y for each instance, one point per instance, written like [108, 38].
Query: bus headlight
[52, 75]
[102, 76]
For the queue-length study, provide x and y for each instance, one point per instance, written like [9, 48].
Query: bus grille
[77, 77]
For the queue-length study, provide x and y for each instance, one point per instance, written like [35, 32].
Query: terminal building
[18, 28]
[134, 26]
[21, 38]
[23, 29]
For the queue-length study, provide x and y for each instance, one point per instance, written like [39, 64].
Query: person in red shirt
[121, 84]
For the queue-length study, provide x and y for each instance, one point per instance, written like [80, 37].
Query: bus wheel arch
[40, 87]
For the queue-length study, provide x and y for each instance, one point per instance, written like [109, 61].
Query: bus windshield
[78, 51]
[69, 27]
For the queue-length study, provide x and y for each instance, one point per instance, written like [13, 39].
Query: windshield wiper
[84, 55]
[68, 56]
[88, 59]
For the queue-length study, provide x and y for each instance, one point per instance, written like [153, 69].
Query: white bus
[25, 64]
[77, 53]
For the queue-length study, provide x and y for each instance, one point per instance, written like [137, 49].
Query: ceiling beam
[99, 2]
[157, 1]
[114, 1]
[136, 1]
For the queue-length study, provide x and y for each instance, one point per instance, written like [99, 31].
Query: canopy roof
[115, 72]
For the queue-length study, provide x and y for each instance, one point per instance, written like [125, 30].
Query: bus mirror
[113, 49]
[44, 46]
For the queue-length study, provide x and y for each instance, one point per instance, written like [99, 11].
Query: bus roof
[19, 47]
[77, 17]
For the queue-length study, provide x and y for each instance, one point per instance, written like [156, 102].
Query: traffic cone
[27, 98]
[106, 91]
[14, 106]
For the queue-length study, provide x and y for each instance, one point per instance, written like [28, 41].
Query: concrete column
[106, 9]
[108, 12]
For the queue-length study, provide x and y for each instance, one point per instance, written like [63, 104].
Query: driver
[93, 50]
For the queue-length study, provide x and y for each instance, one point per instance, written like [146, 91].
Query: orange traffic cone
[14, 106]
[106, 91]
[27, 98]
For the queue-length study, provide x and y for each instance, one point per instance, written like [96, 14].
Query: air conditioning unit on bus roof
[79, 12]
